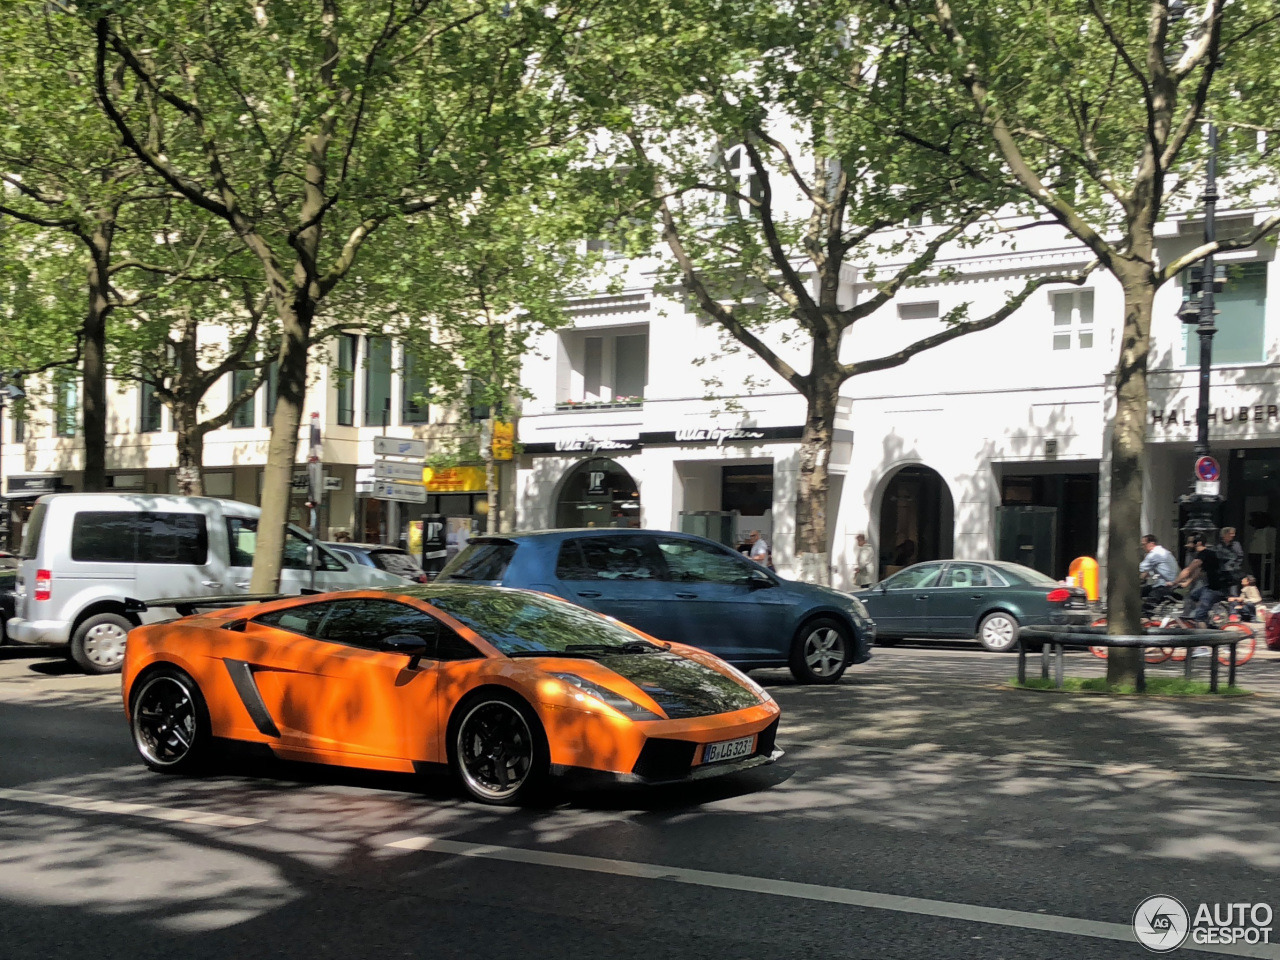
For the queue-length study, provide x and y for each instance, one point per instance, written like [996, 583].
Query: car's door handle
[588, 593]
[687, 596]
[210, 583]
[242, 584]
[975, 596]
[922, 596]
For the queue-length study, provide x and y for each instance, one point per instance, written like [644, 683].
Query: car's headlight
[628, 708]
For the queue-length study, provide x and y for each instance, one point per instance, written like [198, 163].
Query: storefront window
[598, 493]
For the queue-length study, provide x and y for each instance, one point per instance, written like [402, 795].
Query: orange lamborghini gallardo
[507, 687]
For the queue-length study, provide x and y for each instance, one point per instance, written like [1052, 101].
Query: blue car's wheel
[820, 651]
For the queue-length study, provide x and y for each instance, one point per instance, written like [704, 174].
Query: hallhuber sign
[1181, 417]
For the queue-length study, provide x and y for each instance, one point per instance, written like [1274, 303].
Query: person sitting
[1158, 571]
[1246, 604]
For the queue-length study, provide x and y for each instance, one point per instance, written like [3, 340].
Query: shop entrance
[1253, 508]
[598, 493]
[917, 519]
[1047, 520]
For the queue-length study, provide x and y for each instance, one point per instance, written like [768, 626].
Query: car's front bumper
[47, 632]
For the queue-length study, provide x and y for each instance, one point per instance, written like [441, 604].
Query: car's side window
[690, 561]
[965, 575]
[367, 623]
[610, 558]
[925, 575]
[305, 619]
[242, 535]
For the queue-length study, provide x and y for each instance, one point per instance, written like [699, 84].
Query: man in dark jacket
[1217, 581]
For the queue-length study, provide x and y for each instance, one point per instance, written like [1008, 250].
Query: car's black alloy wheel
[170, 721]
[498, 748]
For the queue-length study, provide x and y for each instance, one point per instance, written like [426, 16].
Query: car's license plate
[728, 750]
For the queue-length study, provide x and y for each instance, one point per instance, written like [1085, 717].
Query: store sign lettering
[1260, 413]
[592, 445]
[716, 435]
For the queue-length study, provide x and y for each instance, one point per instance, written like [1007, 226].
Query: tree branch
[1175, 267]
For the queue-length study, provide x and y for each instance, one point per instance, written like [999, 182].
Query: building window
[377, 380]
[413, 390]
[18, 419]
[151, 410]
[1072, 319]
[273, 390]
[346, 379]
[66, 403]
[1241, 320]
[927, 310]
[242, 416]
[605, 367]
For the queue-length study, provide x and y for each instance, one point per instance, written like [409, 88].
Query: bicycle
[1167, 613]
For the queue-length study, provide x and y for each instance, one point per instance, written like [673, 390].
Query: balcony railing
[620, 403]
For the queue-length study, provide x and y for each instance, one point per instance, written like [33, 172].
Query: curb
[1162, 697]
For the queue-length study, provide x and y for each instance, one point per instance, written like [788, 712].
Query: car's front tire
[821, 651]
[998, 632]
[97, 644]
[498, 749]
[170, 721]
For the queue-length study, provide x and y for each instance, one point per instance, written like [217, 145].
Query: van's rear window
[479, 561]
[101, 536]
[31, 535]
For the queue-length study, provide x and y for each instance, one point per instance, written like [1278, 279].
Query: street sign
[403, 492]
[1208, 488]
[1207, 470]
[301, 482]
[397, 470]
[396, 447]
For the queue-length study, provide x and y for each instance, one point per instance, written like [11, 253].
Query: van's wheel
[170, 721]
[998, 632]
[498, 749]
[820, 651]
[97, 645]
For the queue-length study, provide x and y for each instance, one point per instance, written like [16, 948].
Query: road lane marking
[150, 811]
[1048, 923]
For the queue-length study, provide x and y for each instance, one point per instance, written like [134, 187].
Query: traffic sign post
[398, 447]
[405, 470]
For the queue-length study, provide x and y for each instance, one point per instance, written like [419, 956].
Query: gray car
[679, 587]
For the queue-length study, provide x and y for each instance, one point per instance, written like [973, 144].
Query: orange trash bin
[1085, 572]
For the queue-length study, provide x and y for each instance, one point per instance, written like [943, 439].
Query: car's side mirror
[410, 644]
[758, 580]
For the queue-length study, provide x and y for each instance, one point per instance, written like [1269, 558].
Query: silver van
[84, 554]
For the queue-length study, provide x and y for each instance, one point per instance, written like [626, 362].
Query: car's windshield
[523, 623]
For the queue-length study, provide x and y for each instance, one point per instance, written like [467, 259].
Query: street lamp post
[1198, 308]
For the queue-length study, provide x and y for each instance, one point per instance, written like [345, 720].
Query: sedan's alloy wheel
[104, 644]
[824, 651]
[495, 749]
[164, 721]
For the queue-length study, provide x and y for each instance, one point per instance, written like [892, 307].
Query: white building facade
[993, 446]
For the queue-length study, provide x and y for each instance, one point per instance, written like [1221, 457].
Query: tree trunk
[190, 450]
[1128, 452]
[813, 558]
[93, 403]
[277, 475]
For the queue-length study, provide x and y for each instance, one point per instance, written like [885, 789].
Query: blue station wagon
[681, 588]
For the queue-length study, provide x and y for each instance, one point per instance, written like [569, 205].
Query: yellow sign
[454, 479]
[415, 537]
[504, 440]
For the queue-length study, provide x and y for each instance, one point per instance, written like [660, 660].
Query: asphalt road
[922, 811]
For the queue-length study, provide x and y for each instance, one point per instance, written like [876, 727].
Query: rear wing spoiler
[188, 606]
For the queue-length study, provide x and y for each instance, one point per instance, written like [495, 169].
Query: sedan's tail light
[44, 585]
[1061, 595]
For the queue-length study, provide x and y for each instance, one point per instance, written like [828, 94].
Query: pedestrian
[864, 564]
[1232, 551]
[760, 550]
[1249, 601]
